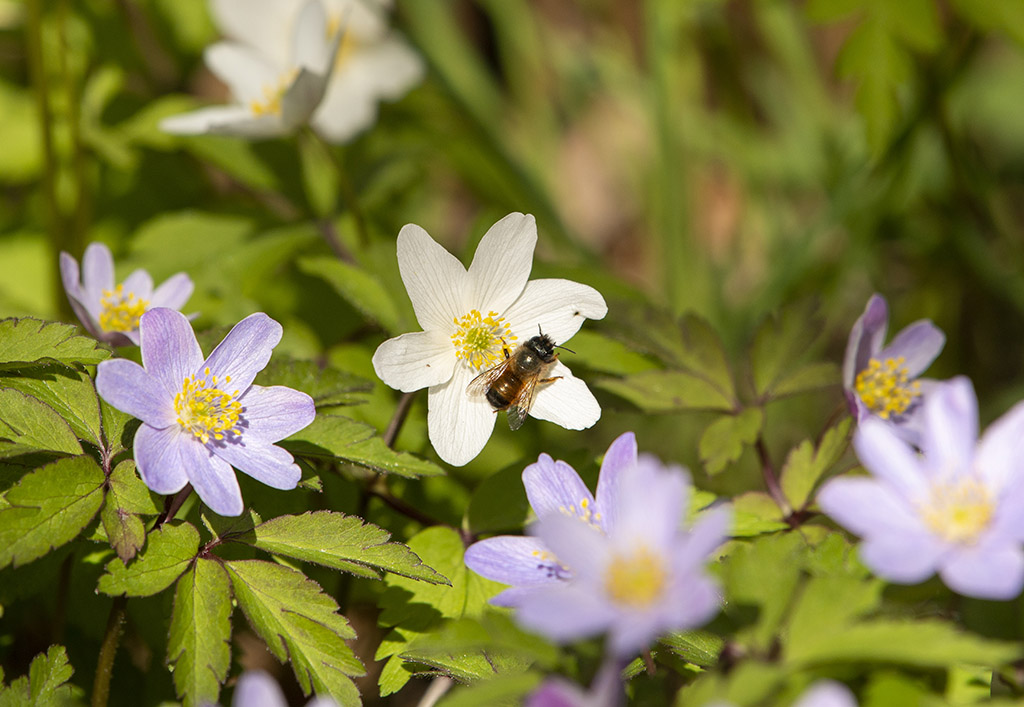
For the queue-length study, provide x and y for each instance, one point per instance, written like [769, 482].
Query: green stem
[111, 640]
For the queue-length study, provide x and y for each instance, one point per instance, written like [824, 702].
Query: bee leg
[549, 380]
[504, 348]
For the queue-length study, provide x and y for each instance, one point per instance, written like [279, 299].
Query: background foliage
[735, 177]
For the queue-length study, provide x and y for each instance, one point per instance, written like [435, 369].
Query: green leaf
[45, 684]
[506, 689]
[300, 624]
[699, 647]
[168, 553]
[764, 574]
[994, 15]
[499, 502]
[319, 175]
[805, 465]
[27, 424]
[667, 391]
[442, 549]
[361, 288]
[724, 439]
[49, 507]
[813, 376]
[927, 643]
[199, 646]
[118, 428]
[599, 353]
[755, 513]
[342, 438]
[68, 391]
[327, 386]
[779, 345]
[703, 354]
[827, 604]
[27, 340]
[127, 498]
[338, 541]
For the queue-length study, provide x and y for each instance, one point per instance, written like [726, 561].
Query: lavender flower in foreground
[199, 417]
[605, 691]
[880, 381]
[641, 578]
[526, 562]
[111, 313]
[257, 689]
[957, 509]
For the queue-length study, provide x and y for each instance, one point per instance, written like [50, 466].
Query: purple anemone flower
[881, 381]
[605, 691]
[258, 689]
[956, 509]
[111, 313]
[640, 578]
[826, 693]
[551, 486]
[200, 418]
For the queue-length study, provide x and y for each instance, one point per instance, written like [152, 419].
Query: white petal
[364, 19]
[388, 69]
[434, 279]
[558, 307]
[247, 72]
[502, 263]
[312, 47]
[458, 425]
[223, 120]
[567, 402]
[416, 360]
[262, 24]
[345, 111]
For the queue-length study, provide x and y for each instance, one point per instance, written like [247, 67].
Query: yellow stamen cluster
[959, 511]
[584, 512]
[272, 95]
[205, 410]
[885, 387]
[479, 340]
[636, 580]
[120, 310]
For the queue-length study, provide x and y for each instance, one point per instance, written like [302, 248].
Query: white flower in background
[468, 318]
[275, 92]
[372, 63]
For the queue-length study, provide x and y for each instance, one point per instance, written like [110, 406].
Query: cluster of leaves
[67, 477]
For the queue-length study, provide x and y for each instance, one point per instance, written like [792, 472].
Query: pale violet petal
[618, 461]
[434, 278]
[245, 350]
[270, 414]
[174, 292]
[267, 463]
[579, 546]
[502, 262]
[140, 284]
[97, 274]
[985, 572]
[650, 506]
[950, 431]
[247, 72]
[557, 308]
[159, 459]
[76, 295]
[999, 458]
[212, 478]
[889, 458]
[567, 401]
[458, 425]
[564, 612]
[257, 689]
[416, 360]
[903, 559]
[513, 560]
[129, 388]
[170, 352]
[554, 486]
[706, 536]
[918, 345]
[865, 506]
[826, 693]
[866, 338]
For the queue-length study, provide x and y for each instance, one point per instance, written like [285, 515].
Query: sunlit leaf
[167, 555]
[361, 288]
[68, 391]
[27, 424]
[45, 684]
[127, 498]
[199, 647]
[725, 439]
[805, 464]
[327, 386]
[28, 340]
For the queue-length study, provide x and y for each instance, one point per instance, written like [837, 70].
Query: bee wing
[520, 407]
[479, 385]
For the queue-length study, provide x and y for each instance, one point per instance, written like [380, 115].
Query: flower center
[584, 513]
[959, 511]
[272, 95]
[120, 311]
[548, 563]
[205, 410]
[479, 340]
[635, 580]
[885, 387]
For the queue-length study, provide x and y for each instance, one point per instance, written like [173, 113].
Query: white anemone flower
[372, 64]
[275, 93]
[469, 317]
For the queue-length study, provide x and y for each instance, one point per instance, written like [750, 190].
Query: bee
[512, 384]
